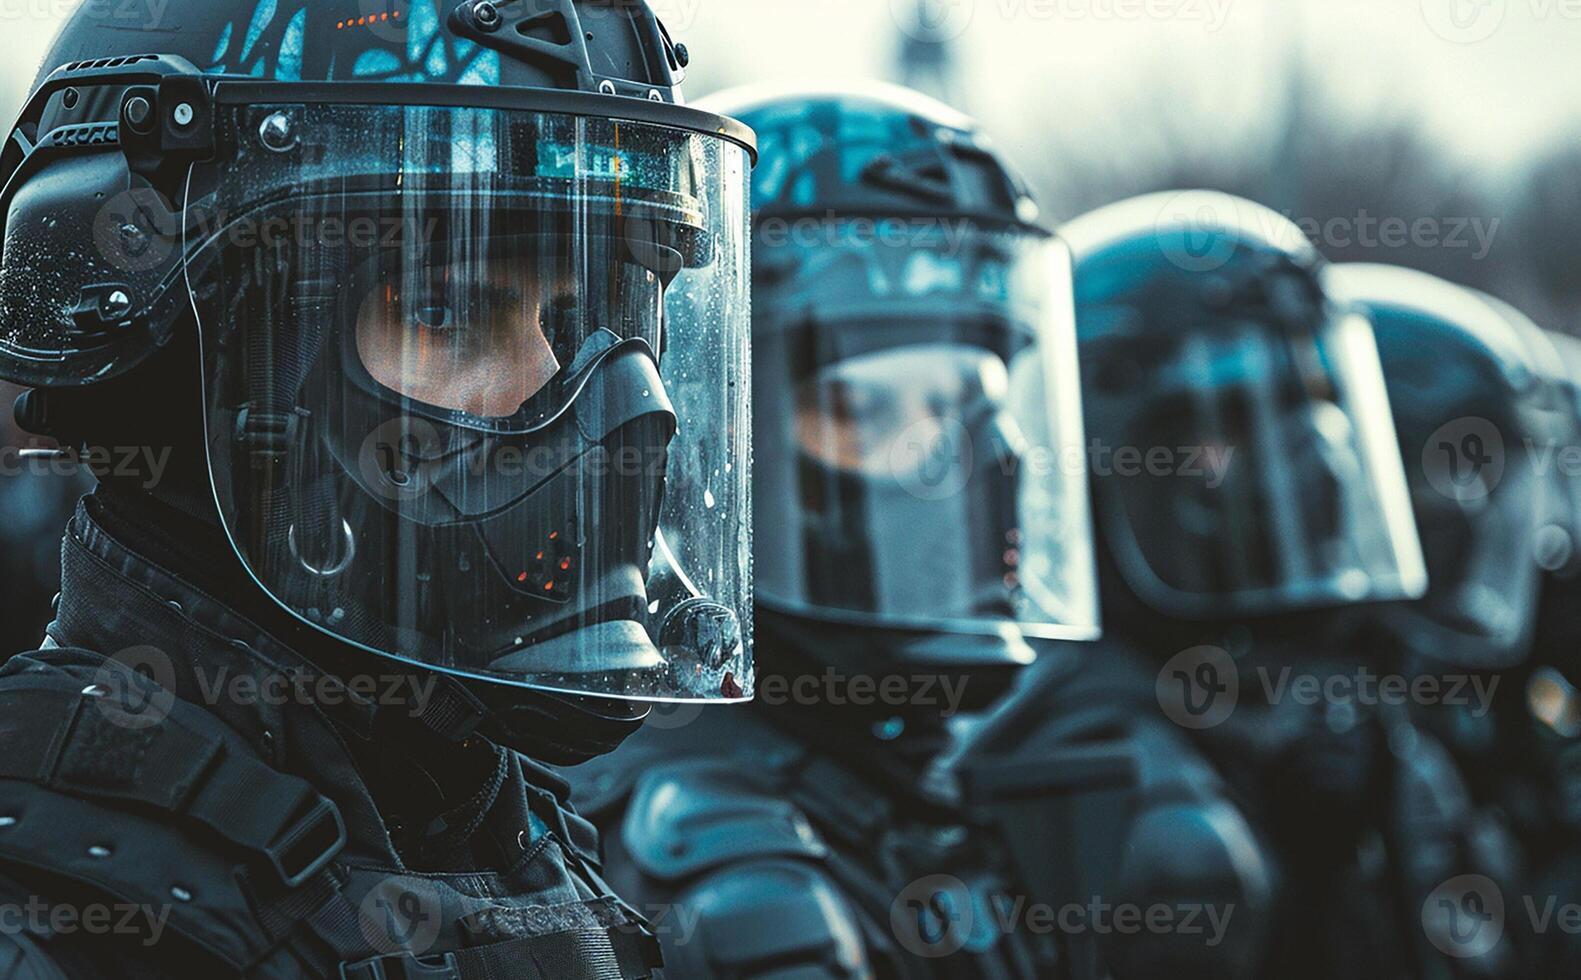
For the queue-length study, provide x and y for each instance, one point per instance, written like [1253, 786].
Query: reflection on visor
[1270, 479]
[890, 413]
[915, 415]
[455, 442]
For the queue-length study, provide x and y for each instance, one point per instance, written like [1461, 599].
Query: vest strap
[110, 752]
[591, 954]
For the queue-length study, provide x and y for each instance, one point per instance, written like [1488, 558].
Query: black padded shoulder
[21, 958]
[778, 919]
[693, 816]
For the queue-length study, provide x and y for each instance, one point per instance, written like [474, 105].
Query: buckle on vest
[303, 849]
[403, 966]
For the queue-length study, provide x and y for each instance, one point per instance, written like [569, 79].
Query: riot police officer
[1252, 511]
[432, 320]
[1483, 418]
[921, 517]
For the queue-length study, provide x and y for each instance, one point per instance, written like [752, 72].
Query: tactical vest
[114, 791]
[929, 896]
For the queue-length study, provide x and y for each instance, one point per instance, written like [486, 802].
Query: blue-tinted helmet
[1469, 407]
[916, 401]
[469, 289]
[1244, 461]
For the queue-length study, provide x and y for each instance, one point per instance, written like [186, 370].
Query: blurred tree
[1547, 236]
[1366, 190]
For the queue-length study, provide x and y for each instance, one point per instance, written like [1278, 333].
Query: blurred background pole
[925, 54]
[1286, 176]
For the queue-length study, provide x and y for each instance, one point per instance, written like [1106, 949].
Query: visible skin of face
[853, 417]
[477, 346]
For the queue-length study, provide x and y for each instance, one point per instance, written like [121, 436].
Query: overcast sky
[1493, 79]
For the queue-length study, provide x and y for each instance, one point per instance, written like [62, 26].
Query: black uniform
[910, 384]
[1260, 547]
[425, 316]
[812, 848]
[289, 834]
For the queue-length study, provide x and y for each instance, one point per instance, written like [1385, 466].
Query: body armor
[142, 777]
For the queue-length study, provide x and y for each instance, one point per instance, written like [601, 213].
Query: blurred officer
[921, 513]
[1473, 416]
[1549, 815]
[436, 315]
[1252, 510]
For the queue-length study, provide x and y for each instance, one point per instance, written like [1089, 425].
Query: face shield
[476, 386]
[1254, 468]
[918, 434]
[1470, 416]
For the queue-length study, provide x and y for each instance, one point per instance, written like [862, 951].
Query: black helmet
[1243, 461]
[1469, 407]
[916, 402]
[469, 288]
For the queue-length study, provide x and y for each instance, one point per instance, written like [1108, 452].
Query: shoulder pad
[784, 919]
[21, 958]
[689, 817]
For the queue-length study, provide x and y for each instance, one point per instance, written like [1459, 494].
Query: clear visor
[1255, 469]
[477, 388]
[918, 453]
